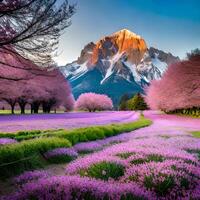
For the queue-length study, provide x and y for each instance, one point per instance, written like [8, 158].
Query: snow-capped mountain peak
[121, 58]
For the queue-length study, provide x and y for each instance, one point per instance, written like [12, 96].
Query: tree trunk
[12, 104]
[45, 107]
[22, 107]
[35, 107]
[31, 108]
[12, 108]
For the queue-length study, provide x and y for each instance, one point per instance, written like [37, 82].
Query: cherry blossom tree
[28, 84]
[93, 102]
[178, 89]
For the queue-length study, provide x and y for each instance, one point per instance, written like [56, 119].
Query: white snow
[110, 71]
[162, 66]
[135, 74]
[82, 69]
[75, 70]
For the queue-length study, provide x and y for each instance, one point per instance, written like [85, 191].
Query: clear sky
[170, 25]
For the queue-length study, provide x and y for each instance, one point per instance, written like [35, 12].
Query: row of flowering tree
[29, 36]
[27, 84]
[179, 89]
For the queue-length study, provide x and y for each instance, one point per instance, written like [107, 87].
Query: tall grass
[26, 155]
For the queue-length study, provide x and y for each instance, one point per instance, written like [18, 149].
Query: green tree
[137, 103]
[193, 53]
[123, 102]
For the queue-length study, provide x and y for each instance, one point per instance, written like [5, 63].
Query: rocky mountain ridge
[117, 64]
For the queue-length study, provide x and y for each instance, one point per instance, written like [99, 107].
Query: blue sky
[170, 25]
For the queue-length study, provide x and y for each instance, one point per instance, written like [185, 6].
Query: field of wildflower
[12, 123]
[161, 161]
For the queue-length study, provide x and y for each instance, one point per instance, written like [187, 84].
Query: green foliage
[162, 187]
[191, 112]
[125, 155]
[60, 159]
[193, 53]
[150, 158]
[131, 197]
[26, 155]
[104, 170]
[196, 134]
[123, 100]
[99, 132]
[137, 103]
[81, 134]
[22, 135]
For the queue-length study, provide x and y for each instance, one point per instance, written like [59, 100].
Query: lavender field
[12, 123]
[157, 162]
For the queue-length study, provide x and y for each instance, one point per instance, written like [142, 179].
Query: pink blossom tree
[29, 84]
[93, 102]
[178, 89]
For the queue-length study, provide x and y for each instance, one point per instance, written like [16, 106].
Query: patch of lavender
[5, 141]
[66, 120]
[71, 152]
[88, 146]
[30, 176]
[75, 187]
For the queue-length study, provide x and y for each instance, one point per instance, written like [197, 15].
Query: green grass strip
[99, 132]
[81, 134]
[27, 155]
[196, 134]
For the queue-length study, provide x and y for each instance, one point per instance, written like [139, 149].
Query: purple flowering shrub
[30, 176]
[162, 166]
[60, 155]
[5, 141]
[88, 147]
[159, 162]
[75, 187]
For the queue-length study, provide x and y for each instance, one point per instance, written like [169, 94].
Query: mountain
[117, 64]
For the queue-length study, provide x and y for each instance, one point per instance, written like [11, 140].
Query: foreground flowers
[157, 162]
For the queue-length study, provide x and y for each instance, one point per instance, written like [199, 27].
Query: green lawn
[196, 134]
[8, 112]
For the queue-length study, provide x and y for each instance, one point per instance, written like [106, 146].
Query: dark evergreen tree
[136, 103]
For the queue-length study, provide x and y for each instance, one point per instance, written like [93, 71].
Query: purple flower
[30, 176]
[64, 121]
[4, 141]
[75, 187]
[61, 152]
[161, 156]
[88, 146]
